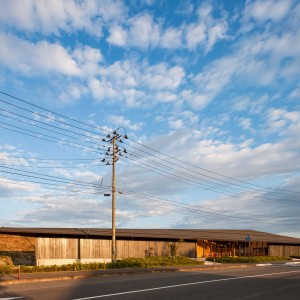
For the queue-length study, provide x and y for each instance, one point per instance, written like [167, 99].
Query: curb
[119, 272]
[211, 267]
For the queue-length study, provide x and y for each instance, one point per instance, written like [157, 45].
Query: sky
[207, 92]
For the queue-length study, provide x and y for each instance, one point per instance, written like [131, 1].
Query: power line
[219, 214]
[43, 123]
[52, 112]
[166, 155]
[196, 182]
[42, 137]
[206, 170]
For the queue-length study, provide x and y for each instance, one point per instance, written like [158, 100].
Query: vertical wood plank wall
[281, 250]
[66, 248]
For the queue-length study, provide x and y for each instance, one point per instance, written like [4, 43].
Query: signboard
[248, 238]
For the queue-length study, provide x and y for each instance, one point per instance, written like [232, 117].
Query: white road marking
[11, 298]
[186, 284]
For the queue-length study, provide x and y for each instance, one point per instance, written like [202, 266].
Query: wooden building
[68, 245]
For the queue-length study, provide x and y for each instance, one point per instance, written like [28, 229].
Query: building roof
[155, 234]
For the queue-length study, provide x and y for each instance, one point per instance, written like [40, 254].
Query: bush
[153, 261]
[5, 261]
[251, 259]
[54, 268]
[6, 270]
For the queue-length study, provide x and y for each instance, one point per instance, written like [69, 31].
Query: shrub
[5, 261]
[251, 259]
[153, 261]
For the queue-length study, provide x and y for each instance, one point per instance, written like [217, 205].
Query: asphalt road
[275, 282]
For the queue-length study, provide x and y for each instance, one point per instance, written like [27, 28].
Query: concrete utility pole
[113, 158]
[113, 201]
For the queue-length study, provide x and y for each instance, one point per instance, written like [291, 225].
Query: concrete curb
[42, 277]
[216, 267]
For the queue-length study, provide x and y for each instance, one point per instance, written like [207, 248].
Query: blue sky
[212, 85]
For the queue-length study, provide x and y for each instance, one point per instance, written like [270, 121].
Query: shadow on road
[215, 284]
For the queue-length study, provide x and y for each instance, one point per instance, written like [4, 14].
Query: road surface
[267, 282]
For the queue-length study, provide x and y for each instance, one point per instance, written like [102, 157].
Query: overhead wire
[220, 214]
[52, 112]
[158, 167]
[215, 173]
[47, 137]
[206, 170]
[192, 180]
[53, 186]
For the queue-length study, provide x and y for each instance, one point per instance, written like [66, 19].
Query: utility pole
[113, 201]
[114, 156]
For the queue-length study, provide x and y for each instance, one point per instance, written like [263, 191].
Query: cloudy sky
[208, 93]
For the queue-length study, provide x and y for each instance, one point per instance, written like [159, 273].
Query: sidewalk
[68, 275]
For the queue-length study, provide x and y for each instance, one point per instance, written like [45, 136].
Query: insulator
[125, 151]
[125, 137]
[120, 141]
[103, 160]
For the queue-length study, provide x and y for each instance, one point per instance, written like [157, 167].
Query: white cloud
[159, 77]
[295, 93]
[171, 38]
[246, 123]
[166, 97]
[121, 121]
[265, 10]
[102, 90]
[29, 58]
[137, 84]
[123, 73]
[56, 16]
[195, 34]
[207, 31]
[211, 81]
[118, 36]
[182, 119]
[215, 33]
[260, 59]
[9, 187]
[88, 60]
[283, 122]
[176, 124]
[72, 92]
[143, 31]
